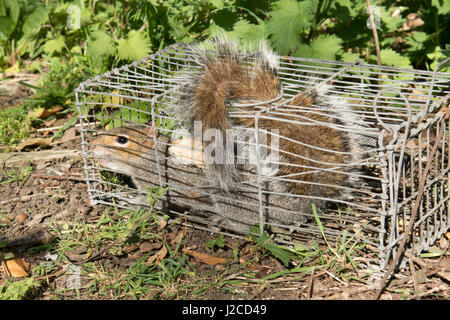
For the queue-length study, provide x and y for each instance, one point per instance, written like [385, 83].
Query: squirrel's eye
[122, 139]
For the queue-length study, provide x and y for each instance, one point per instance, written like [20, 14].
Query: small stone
[21, 217]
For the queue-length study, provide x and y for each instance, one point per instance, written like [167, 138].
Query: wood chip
[32, 142]
[205, 258]
[17, 268]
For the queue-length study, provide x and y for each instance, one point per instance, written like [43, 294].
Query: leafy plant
[14, 126]
[18, 290]
[265, 242]
[13, 175]
[340, 30]
[219, 242]
[70, 41]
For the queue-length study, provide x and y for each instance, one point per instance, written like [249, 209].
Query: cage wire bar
[401, 108]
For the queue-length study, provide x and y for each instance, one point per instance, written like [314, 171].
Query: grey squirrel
[221, 81]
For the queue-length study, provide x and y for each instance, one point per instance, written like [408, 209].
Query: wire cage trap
[400, 109]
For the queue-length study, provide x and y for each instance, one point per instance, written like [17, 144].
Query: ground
[49, 228]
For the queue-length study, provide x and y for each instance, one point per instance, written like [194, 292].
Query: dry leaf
[42, 142]
[113, 101]
[21, 217]
[42, 113]
[70, 134]
[414, 21]
[147, 246]
[49, 123]
[162, 223]
[204, 257]
[13, 69]
[17, 268]
[157, 257]
[130, 248]
[175, 238]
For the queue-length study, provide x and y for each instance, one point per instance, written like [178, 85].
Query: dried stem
[375, 33]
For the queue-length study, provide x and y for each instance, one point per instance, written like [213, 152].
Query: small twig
[433, 290]
[21, 184]
[23, 198]
[375, 33]
[58, 273]
[35, 239]
[99, 253]
[413, 275]
[335, 278]
[58, 178]
[417, 201]
[258, 291]
[310, 284]
[423, 264]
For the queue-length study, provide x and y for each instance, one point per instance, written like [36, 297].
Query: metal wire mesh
[400, 108]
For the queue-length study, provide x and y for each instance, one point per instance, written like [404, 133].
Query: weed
[14, 126]
[12, 175]
[18, 290]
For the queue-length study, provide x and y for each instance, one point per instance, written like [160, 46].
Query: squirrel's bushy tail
[216, 77]
[222, 74]
[316, 158]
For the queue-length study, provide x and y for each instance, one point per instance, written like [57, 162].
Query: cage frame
[415, 123]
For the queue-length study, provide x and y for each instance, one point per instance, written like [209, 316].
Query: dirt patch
[12, 92]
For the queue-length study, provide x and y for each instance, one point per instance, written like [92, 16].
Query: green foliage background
[111, 33]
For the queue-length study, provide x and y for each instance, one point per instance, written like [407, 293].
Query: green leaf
[391, 58]
[288, 20]
[437, 56]
[249, 31]
[18, 289]
[243, 30]
[14, 10]
[442, 6]
[6, 28]
[391, 23]
[34, 20]
[219, 4]
[225, 18]
[101, 44]
[349, 57]
[54, 45]
[135, 47]
[416, 40]
[446, 51]
[278, 252]
[265, 241]
[136, 112]
[219, 242]
[326, 47]
[155, 194]
[346, 10]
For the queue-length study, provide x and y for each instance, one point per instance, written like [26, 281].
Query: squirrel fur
[314, 155]
[224, 78]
